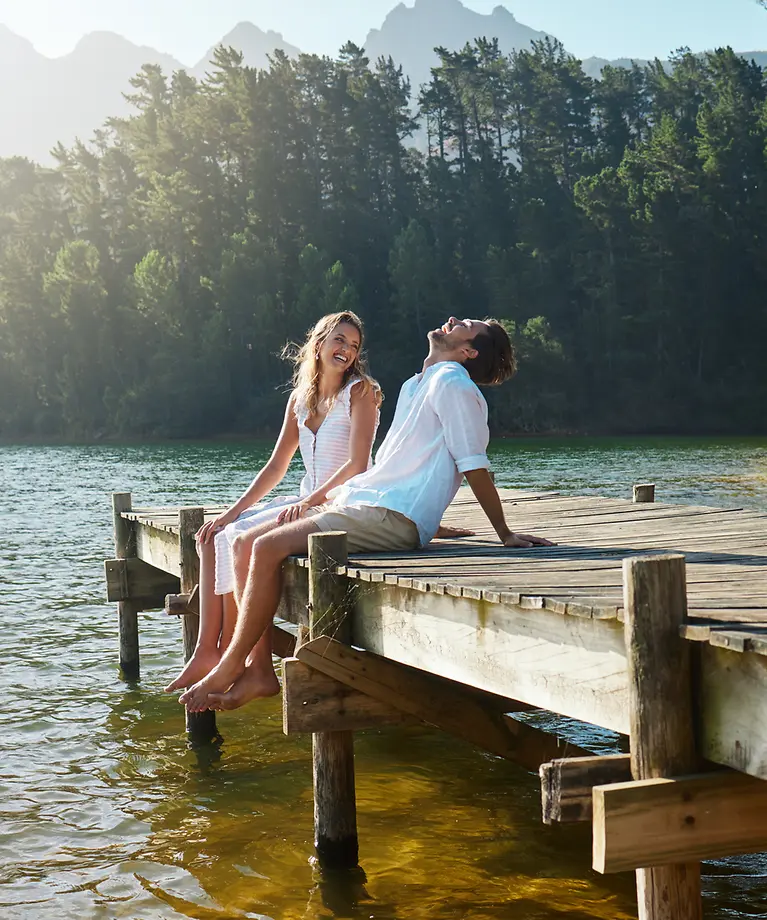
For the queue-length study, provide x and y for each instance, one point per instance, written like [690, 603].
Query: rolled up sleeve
[462, 411]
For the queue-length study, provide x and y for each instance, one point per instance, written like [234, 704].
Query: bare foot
[255, 684]
[219, 680]
[199, 665]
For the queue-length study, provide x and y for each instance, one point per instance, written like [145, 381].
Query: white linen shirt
[438, 433]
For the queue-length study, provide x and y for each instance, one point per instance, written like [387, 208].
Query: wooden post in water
[335, 809]
[201, 726]
[644, 493]
[661, 713]
[127, 612]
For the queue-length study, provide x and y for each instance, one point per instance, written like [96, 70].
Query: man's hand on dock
[525, 541]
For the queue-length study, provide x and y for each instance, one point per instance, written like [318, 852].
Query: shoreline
[248, 437]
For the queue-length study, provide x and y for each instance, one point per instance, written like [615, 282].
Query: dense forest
[619, 228]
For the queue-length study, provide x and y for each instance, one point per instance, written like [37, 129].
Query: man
[439, 434]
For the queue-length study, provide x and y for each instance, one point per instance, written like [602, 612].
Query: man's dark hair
[496, 361]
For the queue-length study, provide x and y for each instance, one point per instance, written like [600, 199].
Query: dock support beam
[127, 611]
[335, 809]
[201, 726]
[661, 713]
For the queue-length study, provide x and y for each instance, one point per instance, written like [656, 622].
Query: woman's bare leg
[207, 653]
[257, 607]
[258, 680]
[228, 623]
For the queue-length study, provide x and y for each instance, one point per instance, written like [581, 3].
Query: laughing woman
[331, 417]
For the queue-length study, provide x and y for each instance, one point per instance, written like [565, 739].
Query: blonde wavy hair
[307, 370]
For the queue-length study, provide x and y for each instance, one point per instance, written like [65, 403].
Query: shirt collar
[421, 375]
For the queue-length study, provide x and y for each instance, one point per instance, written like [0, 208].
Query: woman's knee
[206, 551]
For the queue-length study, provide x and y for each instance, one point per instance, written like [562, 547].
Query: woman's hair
[307, 369]
[496, 361]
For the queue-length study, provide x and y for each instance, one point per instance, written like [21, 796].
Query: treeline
[148, 281]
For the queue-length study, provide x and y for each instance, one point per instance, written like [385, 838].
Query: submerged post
[127, 612]
[644, 493]
[201, 726]
[661, 713]
[335, 809]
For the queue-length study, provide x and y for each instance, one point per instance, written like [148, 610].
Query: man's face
[456, 335]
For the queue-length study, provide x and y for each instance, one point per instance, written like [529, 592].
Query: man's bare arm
[485, 492]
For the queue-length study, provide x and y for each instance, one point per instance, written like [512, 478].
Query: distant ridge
[44, 100]
[253, 43]
[410, 34]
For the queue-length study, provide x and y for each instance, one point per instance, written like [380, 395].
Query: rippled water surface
[106, 813]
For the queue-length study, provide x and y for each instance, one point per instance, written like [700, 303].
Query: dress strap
[299, 410]
[345, 396]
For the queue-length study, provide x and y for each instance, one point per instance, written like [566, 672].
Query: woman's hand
[208, 530]
[293, 512]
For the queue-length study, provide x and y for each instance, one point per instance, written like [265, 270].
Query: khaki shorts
[368, 529]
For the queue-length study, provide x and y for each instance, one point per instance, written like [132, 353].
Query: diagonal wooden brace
[314, 702]
[459, 710]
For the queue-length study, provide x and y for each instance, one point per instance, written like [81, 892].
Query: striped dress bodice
[326, 451]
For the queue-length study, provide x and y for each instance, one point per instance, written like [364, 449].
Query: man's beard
[437, 340]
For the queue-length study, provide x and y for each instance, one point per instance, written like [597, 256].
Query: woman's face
[340, 349]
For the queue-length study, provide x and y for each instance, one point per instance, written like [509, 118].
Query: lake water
[106, 813]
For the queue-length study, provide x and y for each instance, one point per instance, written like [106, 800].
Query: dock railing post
[127, 612]
[644, 492]
[335, 809]
[661, 713]
[201, 726]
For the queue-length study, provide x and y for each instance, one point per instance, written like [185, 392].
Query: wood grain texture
[682, 820]
[335, 808]
[313, 702]
[127, 610]
[456, 709]
[726, 552]
[662, 716]
[644, 492]
[201, 726]
[135, 580]
[567, 785]
[571, 665]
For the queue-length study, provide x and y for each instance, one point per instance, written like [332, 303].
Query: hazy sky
[186, 28]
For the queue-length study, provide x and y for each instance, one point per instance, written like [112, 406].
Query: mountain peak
[247, 29]
[409, 35]
[253, 43]
[102, 40]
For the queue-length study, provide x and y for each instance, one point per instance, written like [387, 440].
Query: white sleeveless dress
[323, 454]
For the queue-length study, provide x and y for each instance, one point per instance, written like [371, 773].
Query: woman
[331, 417]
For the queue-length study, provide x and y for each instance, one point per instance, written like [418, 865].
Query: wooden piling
[201, 726]
[661, 713]
[335, 809]
[644, 493]
[127, 611]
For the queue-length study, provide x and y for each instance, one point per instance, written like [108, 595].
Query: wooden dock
[670, 651]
